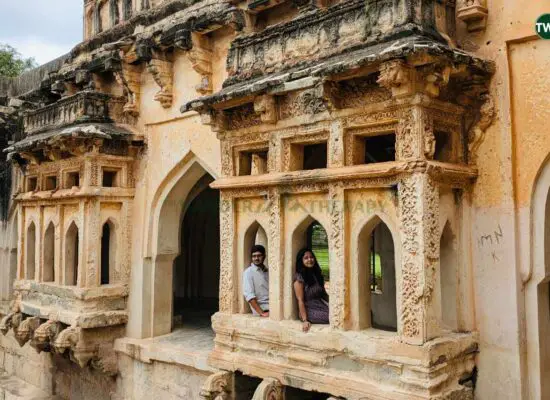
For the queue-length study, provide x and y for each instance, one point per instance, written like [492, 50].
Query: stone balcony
[83, 107]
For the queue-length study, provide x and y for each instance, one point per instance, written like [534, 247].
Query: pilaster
[338, 309]
[276, 254]
[228, 272]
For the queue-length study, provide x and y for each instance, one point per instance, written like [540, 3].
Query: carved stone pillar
[415, 138]
[338, 287]
[92, 247]
[269, 389]
[336, 145]
[276, 254]
[418, 311]
[228, 274]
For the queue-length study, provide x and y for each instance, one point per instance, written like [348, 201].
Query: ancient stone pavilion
[405, 141]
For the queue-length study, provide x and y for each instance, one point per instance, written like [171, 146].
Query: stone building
[404, 140]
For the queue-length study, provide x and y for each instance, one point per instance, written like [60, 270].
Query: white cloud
[42, 51]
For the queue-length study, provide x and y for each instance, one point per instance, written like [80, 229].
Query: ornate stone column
[276, 254]
[338, 289]
[228, 288]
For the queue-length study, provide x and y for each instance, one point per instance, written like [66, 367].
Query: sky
[43, 29]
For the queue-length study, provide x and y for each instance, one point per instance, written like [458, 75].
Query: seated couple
[309, 287]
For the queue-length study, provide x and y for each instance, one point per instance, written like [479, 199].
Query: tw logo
[542, 26]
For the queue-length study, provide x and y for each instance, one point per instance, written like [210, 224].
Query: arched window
[71, 255]
[113, 12]
[449, 278]
[108, 252]
[255, 234]
[97, 19]
[126, 9]
[30, 255]
[49, 254]
[375, 284]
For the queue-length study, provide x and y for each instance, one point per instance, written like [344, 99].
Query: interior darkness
[197, 268]
[315, 156]
[379, 148]
[442, 147]
[109, 178]
[105, 250]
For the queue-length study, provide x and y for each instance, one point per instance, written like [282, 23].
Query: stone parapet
[353, 365]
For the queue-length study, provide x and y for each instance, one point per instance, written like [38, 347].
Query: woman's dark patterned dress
[315, 300]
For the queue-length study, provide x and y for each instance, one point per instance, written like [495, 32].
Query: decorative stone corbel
[30, 157]
[269, 389]
[266, 107]
[395, 75]
[161, 69]
[473, 13]
[200, 56]
[215, 119]
[477, 132]
[436, 78]
[45, 335]
[23, 333]
[12, 320]
[217, 386]
[66, 339]
[129, 76]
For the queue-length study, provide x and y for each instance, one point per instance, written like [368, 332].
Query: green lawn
[321, 253]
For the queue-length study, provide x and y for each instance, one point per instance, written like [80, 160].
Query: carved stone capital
[269, 389]
[129, 76]
[23, 333]
[266, 107]
[217, 386]
[161, 70]
[473, 13]
[396, 75]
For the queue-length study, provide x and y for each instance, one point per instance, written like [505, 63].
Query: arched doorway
[197, 267]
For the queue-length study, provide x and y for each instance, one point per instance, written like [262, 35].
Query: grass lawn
[321, 253]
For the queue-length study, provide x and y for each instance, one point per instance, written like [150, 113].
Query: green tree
[12, 63]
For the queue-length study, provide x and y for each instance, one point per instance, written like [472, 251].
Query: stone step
[13, 388]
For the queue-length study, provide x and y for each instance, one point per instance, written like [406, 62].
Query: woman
[309, 286]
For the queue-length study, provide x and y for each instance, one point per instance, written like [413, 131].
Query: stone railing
[79, 108]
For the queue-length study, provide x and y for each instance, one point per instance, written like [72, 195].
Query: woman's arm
[299, 290]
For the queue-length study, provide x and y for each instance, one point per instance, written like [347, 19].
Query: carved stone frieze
[269, 389]
[360, 92]
[217, 386]
[241, 117]
[305, 102]
[161, 70]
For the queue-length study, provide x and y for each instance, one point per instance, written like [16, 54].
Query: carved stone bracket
[45, 335]
[24, 332]
[161, 70]
[269, 389]
[12, 320]
[200, 56]
[266, 107]
[129, 76]
[473, 13]
[396, 76]
[67, 339]
[477, 132]
[217, 386]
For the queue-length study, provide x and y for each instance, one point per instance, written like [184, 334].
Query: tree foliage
[12, 63]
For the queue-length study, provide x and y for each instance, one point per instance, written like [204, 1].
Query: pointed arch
[537, 289]
[374, 263]
[163, 239]
[254, 234]
[48, 254]
[114, 14]
[298, 240]
[30, 252]
[71, 255]
[108, 252]
[127, 9]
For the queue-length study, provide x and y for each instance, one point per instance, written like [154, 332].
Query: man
[256, 283]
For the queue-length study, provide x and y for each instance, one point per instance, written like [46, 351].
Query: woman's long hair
[309, 274]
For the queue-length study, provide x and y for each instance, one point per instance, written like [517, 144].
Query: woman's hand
[306, 325]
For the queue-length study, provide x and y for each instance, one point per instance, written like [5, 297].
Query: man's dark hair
[258, 248]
